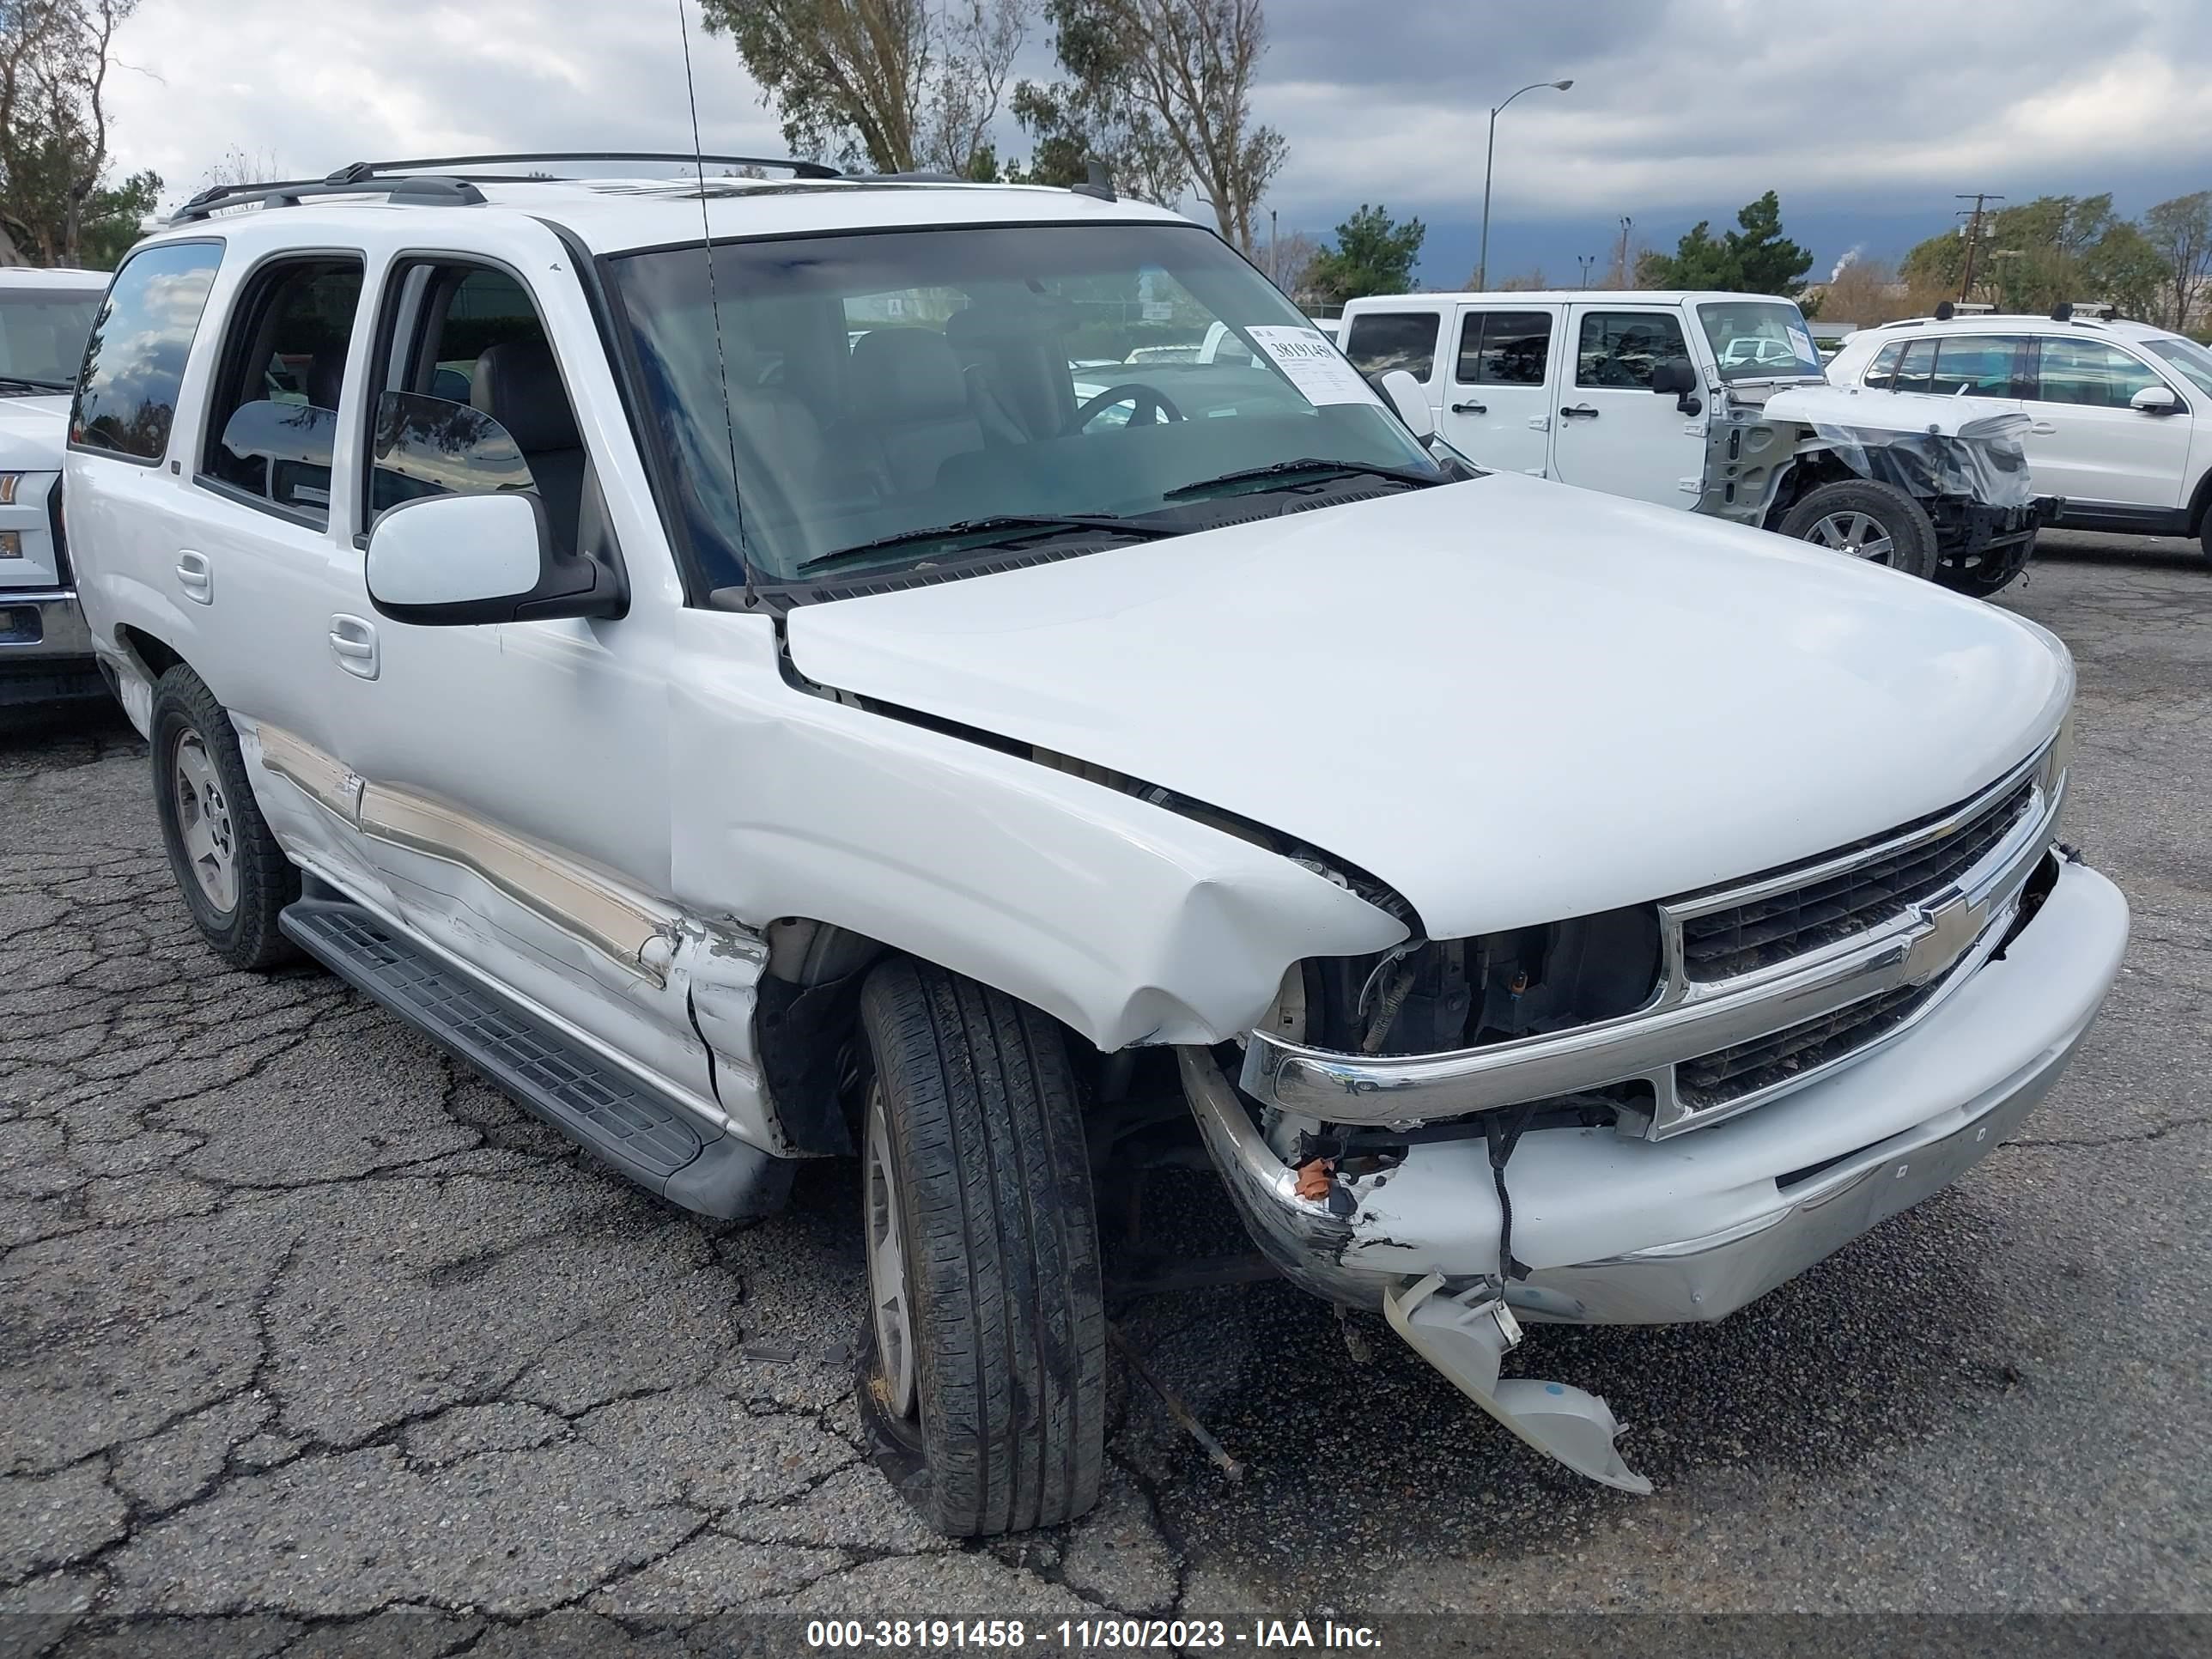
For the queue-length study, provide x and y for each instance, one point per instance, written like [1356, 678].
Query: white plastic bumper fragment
[1465, 1334]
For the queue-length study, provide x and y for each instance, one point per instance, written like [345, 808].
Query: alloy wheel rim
[204, 820]
[889, 1304]
[1856, 536]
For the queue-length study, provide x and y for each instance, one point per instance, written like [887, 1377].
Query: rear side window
[1503, 348]
[2091, 373]
[1917, 372]
[134, 362]
[273, 421]
[1380, 341]
[1977, 365]
[1620, 349]
[1883, 369]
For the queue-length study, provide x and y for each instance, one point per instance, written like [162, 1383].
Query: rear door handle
[196, 575]
[353, 641]
[1580, 412]
[1470, 408]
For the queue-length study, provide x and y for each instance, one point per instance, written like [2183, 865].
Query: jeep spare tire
[982, 1377]
[1863, 519]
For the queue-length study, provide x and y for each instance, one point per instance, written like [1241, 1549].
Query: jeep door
[1613, 432]
[1498, 397]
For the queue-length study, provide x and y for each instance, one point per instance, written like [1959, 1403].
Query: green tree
[2032, 256]
[112, 218]
[2180, 233]
[1373, 254]
[54, 60]
[1755, 258]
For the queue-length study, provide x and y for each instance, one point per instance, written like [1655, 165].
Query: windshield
[42, 334]
[2191, 358]
[885, 386]
[1760, 340]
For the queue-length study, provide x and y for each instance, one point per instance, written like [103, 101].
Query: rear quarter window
[134, 362]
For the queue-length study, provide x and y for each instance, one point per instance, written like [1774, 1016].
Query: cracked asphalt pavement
[306, 1328]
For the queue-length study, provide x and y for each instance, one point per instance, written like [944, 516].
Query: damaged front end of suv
[1656, 1114]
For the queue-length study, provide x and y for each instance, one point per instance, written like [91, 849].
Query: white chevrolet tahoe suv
[45, 655]
[718, 679]
[2119, 413]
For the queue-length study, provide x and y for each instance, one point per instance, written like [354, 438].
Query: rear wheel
[983, 1378]
[1863, 519]
[234, 878]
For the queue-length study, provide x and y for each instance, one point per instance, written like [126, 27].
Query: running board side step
[618, 1120]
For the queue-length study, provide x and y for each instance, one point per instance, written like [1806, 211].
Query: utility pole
[1585, 260]
[1627, 277]
[1973, 218]
[1274, 251]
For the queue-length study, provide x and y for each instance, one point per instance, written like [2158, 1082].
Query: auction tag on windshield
[1314, 366]
[1803, 341]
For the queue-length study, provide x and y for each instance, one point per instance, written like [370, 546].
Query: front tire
[1863, 519]
[982, 1377]
[234, 878]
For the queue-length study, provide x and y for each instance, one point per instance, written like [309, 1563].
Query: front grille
[1729, 1074]
[1744, 938]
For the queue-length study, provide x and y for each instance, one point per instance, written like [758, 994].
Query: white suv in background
[2121, 412]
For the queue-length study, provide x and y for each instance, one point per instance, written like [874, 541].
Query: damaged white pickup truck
[685, 645]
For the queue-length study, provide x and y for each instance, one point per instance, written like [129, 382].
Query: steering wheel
[1149, 404]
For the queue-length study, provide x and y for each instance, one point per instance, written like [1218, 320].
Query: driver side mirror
[459, 560]
[1411, 403]
[1678, 375]
[2155, 400]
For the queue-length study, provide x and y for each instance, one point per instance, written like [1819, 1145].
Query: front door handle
[1470, 408]
[2042, 428]
[1580, 412]
[352, 640]
[196, 575]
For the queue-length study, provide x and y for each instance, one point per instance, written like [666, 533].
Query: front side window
[2089, 373]
[42, 335]
[1380, 341]
[864, 405]
[1619, 349]
[272, 424]
[2191, 358]
[473, 401]
[1977, 365]
[1503, 348]
[1760, 340]
[1882, 371]
[134, 360]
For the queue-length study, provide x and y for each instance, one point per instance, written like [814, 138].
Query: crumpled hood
[1870, 408]
[1512, 701]
[33, 434]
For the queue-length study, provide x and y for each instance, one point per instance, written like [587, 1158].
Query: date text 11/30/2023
[1085, 1635]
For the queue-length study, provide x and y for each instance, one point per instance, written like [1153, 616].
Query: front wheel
[983, 1379]
[1863, 519]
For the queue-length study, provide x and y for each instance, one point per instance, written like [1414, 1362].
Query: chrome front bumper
[1943, 937]
[45, 649]
[1619, 1231]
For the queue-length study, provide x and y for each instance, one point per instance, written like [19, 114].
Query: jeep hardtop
[683, 643]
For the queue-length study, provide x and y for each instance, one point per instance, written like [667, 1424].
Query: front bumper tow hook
[1465, 1334]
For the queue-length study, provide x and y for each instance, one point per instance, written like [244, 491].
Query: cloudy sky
[1865, 116]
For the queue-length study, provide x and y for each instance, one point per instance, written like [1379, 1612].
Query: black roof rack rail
[430, 191]
[360, 170]
[433, 182]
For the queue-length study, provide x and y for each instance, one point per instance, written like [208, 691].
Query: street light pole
[1489, 158]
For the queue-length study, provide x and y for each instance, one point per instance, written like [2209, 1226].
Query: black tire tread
[1002, 1250]
[267, 880]
[1914, 555]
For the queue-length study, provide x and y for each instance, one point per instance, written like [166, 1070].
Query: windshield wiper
[35, 385]
[1003, 525]
[1336, 469]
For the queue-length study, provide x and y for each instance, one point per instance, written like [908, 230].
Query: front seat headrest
[519, 386]
[906, 375]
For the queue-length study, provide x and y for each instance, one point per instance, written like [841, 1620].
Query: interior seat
[909, 410]
[518, 384]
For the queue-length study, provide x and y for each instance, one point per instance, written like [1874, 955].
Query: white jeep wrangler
[718, 678]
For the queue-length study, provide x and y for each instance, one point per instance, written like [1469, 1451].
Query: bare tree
[2180, 233]
[241, 165]
[898, 82]
[55, 56]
